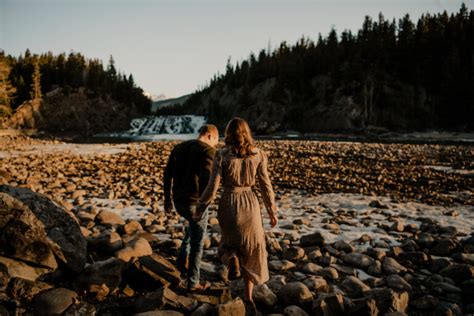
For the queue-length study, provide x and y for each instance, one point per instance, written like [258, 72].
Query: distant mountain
[394, 75]
[160, 104]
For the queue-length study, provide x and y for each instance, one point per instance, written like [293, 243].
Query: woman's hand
[198, 213]
[273, 219]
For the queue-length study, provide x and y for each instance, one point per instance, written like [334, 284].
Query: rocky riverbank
[365, 229]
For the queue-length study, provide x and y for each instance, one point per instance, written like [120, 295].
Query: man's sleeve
[206, 168]
[168, 177]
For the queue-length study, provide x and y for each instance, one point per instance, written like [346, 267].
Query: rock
[163, 298]
[329, 273]
[444, 247]
[439, 263]
[292, 235]
[389, 301]
[302, 221]
[357, 260]
[425, 240]
[353, 287]
[281, 265]
[377, 204]
[446, 287]
[107, 241]
[4, 277]
[377, 254]
[81, 308]
[363, 307]
[54, 301]
[311, 268]
[235, 307]
[335, 304]
[295, 293]
[375, 268]
[136, 248]
[131, 227]
[159, 312]
[327, 260]
[391, 266]
[263, 295]
[426, 302]
[397, 283]
[331, 226]
[415, 257]
[23, 290]
[315, 239]
[34, 229]
[109, 218]
[203, 310]
[397, 226]
[344, 269]
[464, 257]
[458, 272]
[154, 267]
[99, 291]
[107, 272]
[294, 310]
[276, 282]
[448, 309]
[293, 253]
[343, 246]
[317, 284]
[22, 270]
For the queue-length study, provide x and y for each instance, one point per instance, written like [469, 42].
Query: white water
[170, 127]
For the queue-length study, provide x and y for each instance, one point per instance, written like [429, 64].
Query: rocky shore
[365, 229]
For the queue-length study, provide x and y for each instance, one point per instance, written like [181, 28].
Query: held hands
[199, 211]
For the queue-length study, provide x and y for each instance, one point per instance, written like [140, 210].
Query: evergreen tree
[36, 85]
[6, 89]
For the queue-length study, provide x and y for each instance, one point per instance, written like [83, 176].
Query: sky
[173, 47]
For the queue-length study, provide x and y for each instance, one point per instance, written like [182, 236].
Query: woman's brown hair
[239, 138]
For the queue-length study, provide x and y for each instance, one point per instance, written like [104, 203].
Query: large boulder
[36, 230]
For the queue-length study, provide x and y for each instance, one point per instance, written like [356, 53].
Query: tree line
[31, 76]
[419, 71]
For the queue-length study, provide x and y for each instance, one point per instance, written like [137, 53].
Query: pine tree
[36, 85]
[6, 89]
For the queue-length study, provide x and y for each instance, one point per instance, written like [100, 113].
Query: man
[185, 178]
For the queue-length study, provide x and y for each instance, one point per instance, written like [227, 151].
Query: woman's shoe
[251, 308]
[233, 269]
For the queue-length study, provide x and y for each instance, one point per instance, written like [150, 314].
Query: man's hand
[198, 213]
[273, 219]
[168, 206]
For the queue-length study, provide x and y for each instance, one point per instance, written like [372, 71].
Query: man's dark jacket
[188, 171]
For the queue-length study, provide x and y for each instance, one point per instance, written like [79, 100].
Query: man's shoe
[199, 287]
[233, 269]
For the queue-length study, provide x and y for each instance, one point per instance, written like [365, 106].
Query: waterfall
[172, 124]
[163, 127]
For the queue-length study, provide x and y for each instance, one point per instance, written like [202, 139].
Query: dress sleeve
[213, 184]
[265, 184]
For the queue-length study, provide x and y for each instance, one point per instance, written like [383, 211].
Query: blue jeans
[193, 242]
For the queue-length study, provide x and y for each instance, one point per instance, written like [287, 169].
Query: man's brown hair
[208, 128]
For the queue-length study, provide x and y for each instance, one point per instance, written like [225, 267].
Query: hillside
[61, 94]
[396, 75]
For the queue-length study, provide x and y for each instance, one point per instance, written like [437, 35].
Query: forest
[399, 75]
[69, 73]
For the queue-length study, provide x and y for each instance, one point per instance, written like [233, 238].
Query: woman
[239, 164]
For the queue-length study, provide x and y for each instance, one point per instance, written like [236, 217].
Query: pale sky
[174, 46]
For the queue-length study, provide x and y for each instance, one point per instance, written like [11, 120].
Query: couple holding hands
[191, 179]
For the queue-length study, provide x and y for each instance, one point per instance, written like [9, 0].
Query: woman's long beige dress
[239, 210]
